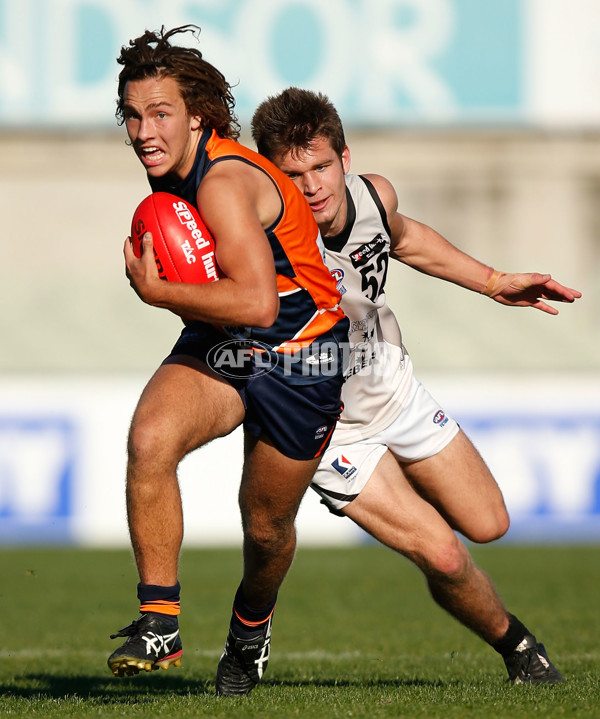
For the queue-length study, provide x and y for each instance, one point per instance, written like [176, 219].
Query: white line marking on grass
[312, 655]
[315, 654]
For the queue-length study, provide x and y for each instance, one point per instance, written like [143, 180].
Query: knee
[449, 560]
[267, 533]
[489, 527]
[142, 440]
[151, 445]
[441, 557]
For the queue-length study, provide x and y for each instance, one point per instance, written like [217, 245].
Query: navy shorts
[298, 418]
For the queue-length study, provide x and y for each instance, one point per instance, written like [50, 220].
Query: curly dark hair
[293, 120]
[204, 89]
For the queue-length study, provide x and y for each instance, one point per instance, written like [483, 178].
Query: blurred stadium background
[484, 114]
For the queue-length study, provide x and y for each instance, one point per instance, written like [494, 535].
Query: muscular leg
[458, 483]
[392, 511]
[182, 407]
[270, 493]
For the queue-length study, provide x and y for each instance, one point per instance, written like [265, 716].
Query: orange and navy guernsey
[309, 311]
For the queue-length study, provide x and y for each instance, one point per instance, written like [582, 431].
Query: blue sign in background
[38, 470]
[547, 465]
[381, 61]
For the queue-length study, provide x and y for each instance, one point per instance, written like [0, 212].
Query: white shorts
[421, 430]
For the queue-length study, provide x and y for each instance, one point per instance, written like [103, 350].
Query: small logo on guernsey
[338, 276]
[440, 418]
[343, 466]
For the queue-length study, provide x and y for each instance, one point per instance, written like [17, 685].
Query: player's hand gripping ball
[184, 249]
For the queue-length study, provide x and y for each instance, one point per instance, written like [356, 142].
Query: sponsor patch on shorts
[343, 466]
[321, 431]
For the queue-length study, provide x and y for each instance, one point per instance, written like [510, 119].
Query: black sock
[247, 621]
[514, 636]
[157, 599]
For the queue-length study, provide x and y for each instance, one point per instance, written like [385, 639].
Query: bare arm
[235, 203]
[424, 249]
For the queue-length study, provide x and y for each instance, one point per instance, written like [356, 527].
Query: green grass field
[355, 635]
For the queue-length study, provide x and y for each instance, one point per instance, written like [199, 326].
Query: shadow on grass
[148, 688]
[108, 690]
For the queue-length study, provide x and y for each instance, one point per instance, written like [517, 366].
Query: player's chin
[155, 169]
[154, 165]
[322, 216]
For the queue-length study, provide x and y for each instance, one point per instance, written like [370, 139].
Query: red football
[184, 249]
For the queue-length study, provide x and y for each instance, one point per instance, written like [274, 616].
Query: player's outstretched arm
[424, 249]
[528, 289]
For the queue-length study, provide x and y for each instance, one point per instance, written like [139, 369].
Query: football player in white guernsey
[398, 465]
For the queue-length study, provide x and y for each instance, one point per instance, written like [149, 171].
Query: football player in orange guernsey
[276, 307]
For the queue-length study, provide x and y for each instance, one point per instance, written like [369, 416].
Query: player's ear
[346, 159]
[195, 122]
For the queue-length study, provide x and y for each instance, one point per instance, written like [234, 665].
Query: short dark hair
[293, 120]
[204, 89]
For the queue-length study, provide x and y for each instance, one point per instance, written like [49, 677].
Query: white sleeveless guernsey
[379, 374]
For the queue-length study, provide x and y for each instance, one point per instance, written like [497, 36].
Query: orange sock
[159, 599]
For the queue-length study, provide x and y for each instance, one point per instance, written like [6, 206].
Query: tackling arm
[424, 249]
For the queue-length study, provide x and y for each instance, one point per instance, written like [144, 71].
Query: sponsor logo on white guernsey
[367, 251]
[338, 276]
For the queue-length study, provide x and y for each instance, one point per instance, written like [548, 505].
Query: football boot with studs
[153, 642]
[243, 662]
[529, 664]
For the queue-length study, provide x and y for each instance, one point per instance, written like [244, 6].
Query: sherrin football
[184, 249]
